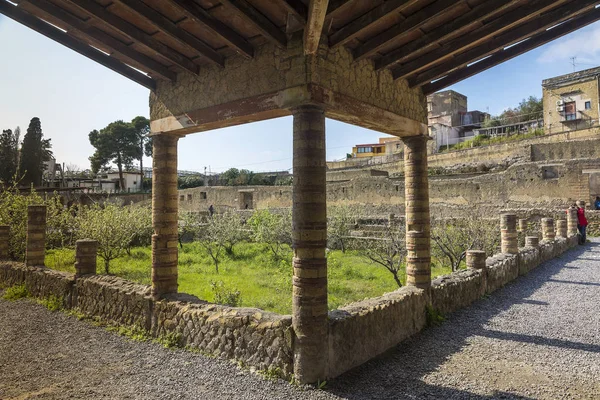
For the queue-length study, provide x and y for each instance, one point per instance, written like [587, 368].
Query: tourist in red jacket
[581, 221]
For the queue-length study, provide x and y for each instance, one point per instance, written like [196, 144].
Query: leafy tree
[274, 230]
[142, 129]
[9, 155]
[388, 250]
[341, 220]
[34, 151]
[117, 143]
[527, 110]
[190, 181]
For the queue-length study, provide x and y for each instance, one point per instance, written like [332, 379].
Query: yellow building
[572, 101]
[386, 146]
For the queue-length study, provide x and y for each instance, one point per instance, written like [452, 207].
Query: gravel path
[537, 338]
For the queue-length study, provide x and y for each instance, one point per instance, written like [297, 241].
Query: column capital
[307, 107]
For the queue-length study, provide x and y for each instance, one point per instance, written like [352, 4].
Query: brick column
[164, 215]
[522, 225]
[548, 229]
[85, 257]
[36, 236]
[418, 259]
[309, 237]
[532, 241]
[508, 234]
[572, 222]
[4, 242]
[561, 228]
[476, 259]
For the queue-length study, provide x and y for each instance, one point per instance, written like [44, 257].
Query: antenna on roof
[573, 62]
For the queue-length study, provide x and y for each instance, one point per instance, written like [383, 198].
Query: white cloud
[583, 44]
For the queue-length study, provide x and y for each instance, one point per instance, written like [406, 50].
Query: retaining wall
[358, 332]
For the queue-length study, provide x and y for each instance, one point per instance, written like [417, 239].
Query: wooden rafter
[103, 16]
[474, 16]
[337, 6]
[93, 34]
[38, 25]
[261, 23]
[375, 44]
[168, 27]
[490, 28]
[348, 32]
[512, 36]
[297, 8]
[317, 10]
[513, 51]
[232, 38]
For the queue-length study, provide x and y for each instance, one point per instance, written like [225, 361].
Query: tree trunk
[121, 179]
[141, 162]
[107, 266]
[397, 279]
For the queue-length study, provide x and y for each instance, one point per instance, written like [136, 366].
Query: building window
[181, 198]
[588, 105]
[203, 195]
[189, 197]
[570, 111]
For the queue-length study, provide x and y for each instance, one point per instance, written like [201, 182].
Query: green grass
[262, 282]
[15, 292]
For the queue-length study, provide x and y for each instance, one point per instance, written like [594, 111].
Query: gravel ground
[536, 338]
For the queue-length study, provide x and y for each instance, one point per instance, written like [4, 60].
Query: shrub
[226, 296]
[15, 292]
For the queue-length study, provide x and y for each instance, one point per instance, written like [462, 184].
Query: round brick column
[548, 229]
[309, 237]
[4, 242]
[532, 241]
[522, 225]
[418, 246]
[561, 228]
[36, 236]
[572, 222]
[476, 259]
[508, 234]
[85, 257]
[164, 215]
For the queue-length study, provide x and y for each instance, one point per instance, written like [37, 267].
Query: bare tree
[340, 221]
[387, 250]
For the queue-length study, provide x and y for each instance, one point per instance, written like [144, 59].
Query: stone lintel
[278, 104]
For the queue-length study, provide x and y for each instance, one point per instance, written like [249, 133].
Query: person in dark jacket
[597, 203]
[581, 221]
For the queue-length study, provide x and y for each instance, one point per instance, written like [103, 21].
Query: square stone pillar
[418, 224]
[85, 257]
[35, 252]
[4, 242]
[164, 215]
[309, 238]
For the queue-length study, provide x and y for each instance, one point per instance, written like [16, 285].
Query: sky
[73, 95]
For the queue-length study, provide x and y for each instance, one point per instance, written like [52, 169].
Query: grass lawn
[262, 281]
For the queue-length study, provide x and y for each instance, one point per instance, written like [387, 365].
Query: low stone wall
[452, 292]
[363, 330]
[257, 338]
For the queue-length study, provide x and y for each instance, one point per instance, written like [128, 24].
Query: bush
[15, 292]
[225, 295]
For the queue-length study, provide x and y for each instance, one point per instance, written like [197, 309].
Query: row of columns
[509, 232]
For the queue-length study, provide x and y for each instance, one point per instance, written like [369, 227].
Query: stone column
[418, 259]
[476, 259]
[508, 234]
[36, 236]
[548, 229]
[561, 228]
[309, 240]
[164, 215]
[522, 225]
[572, 222]
[85, 257]
[4, 242]
[532, 241]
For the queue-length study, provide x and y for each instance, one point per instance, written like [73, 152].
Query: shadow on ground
[399, 373]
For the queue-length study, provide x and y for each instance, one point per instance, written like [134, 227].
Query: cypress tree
[34, 151]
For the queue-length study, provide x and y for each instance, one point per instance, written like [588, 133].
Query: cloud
[583, 44]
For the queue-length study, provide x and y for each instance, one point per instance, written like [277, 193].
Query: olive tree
[273, 230]
[387, 250]
[340, 221]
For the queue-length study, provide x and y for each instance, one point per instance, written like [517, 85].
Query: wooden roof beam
[297, 8]
[111, 20]
[197, 14]
[438, 55]
[474, 16]
[317, 10]
[349, 31]
[375, 44]
[38, 25]
[168, 27]
[512, 36]
[94, 34]
[513, 51]
[261, 23]
[337, 6]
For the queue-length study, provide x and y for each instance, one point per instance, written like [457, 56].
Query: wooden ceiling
[430, 43]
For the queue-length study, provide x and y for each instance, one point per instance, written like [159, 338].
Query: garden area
[227, 259]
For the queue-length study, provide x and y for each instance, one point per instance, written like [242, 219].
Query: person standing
[581, 221]
[597, 203]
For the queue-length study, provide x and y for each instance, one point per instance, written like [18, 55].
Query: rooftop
[579, 76]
